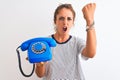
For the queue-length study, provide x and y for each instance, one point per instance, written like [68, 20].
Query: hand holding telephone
[38, 50]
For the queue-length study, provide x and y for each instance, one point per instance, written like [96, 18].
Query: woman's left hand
[88, 12]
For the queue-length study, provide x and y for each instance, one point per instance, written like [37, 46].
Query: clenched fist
[88, 12]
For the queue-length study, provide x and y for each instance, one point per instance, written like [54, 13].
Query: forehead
[65, 12]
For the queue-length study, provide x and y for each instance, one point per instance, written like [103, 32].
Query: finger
[26, 58]
[40, 64]
[93, 4]
[84, 8]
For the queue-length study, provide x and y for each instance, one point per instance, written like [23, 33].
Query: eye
[61, 18]
[69, 18]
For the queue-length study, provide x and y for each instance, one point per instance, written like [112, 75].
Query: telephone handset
[38, 49]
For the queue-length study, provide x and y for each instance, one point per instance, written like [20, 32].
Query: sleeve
[47, 67]
[81, 45]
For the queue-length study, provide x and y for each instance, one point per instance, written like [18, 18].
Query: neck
[61, 38]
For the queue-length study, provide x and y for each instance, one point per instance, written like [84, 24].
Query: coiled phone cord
[20, 67]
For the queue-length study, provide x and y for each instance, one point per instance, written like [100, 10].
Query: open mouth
[64, 28]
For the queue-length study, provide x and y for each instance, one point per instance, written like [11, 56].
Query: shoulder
[76, 38]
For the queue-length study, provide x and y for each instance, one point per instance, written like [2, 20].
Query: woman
[65, 64]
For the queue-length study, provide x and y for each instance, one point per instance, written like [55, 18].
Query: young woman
[65, 64]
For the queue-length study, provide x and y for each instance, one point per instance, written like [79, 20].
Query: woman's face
[64, 21]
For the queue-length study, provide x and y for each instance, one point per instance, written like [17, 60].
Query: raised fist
[88, 12]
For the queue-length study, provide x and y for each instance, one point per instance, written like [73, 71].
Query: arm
[40, 69]
[90, 49]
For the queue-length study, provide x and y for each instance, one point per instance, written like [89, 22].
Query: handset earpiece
[24, 46]
[51, 42]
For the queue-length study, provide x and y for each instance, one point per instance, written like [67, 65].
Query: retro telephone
[38, 50]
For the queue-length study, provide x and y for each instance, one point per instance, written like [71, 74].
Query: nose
[65, 22]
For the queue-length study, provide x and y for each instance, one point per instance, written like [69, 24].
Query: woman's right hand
[40, 69]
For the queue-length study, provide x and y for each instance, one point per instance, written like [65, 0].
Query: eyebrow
[61, 17]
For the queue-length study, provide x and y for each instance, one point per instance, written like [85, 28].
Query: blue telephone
[38, 51]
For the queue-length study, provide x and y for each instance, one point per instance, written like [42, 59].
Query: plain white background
[24, 19]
